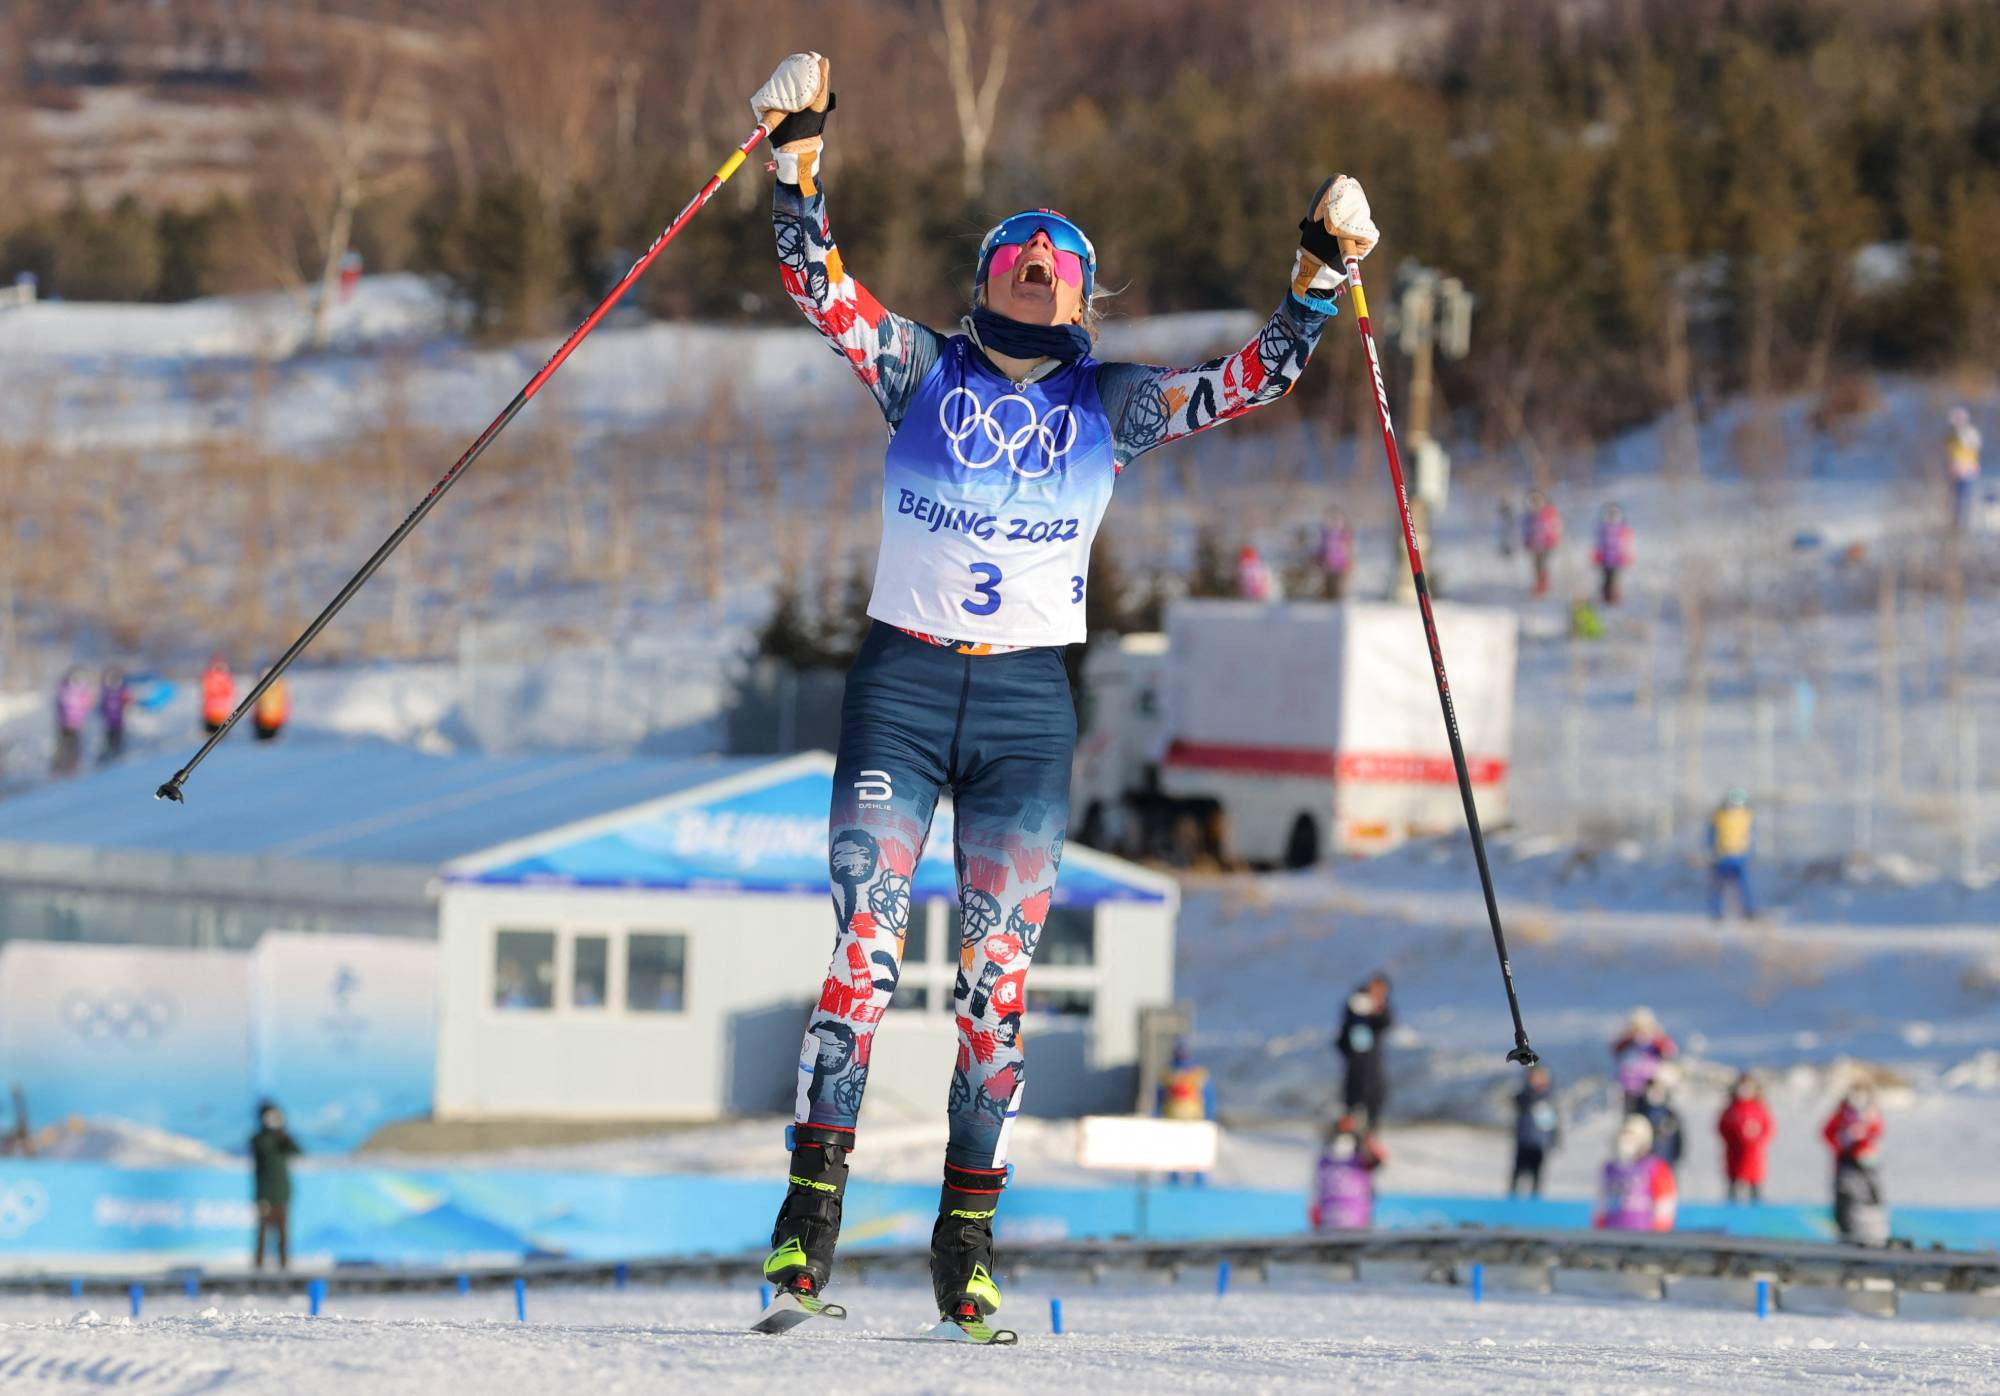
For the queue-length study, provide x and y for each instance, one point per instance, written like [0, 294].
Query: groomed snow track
[1714, 1268]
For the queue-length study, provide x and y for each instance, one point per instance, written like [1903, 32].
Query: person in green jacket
[272, 1149]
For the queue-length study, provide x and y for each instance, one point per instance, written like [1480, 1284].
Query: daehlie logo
[874, 788]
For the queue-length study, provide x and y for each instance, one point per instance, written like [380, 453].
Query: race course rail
[1628, 1260]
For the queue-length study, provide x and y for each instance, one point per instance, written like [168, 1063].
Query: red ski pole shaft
[1522, 1052]
[172, 789]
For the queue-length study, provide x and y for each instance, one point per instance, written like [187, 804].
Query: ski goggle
[1076, 259]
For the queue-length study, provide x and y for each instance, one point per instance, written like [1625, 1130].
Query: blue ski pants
[1725, 873]
[998, 732]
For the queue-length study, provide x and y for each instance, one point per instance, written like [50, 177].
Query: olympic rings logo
[980, 439]
[21, 1206]
[144, 1017]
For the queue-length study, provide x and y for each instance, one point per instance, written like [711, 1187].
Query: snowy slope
[1117, 1338]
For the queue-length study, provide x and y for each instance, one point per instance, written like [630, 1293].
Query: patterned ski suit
[993, 491]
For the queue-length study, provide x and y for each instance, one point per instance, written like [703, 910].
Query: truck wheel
[1187, 841]
[1091, 832]
[1302, 848]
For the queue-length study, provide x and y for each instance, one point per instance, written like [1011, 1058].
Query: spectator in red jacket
[1746, 1129]
[1853, 1132]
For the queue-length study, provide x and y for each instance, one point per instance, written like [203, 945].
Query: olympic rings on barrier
[21, 1206]
[143, 1017]
[982, 427]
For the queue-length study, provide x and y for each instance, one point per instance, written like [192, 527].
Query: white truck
[1278, 732]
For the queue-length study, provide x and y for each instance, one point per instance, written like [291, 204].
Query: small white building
[658, 962]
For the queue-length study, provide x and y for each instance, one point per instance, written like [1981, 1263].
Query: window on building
[655, 972]
[917, 937]
[1068, 938]
[590, 975]
[524, 969]
[917, 996]
[1060, 1003]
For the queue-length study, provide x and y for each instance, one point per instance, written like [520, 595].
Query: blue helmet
[1022, 227]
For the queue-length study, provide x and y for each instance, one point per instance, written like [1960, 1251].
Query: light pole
[1433, 315]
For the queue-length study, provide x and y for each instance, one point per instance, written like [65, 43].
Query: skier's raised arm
[1150, 406]
[888, 353]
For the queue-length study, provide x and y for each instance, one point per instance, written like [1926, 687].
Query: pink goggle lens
[1069, 266]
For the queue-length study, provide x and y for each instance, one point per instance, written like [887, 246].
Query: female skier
[1005, 439]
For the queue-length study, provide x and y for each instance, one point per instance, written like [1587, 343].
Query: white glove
[1343, 211]
[794, 86]
[1339, 216]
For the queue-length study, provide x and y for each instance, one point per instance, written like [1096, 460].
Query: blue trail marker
[621, 1275]
[1221, 1279]
[464, 1284]
[315, 1296]
[1763, 1299]
[1055, 1316]
[138, 1294]
[193, 1285]
[76, 1287]
[520, 1299]
[1478, 1281]
[763, 1298]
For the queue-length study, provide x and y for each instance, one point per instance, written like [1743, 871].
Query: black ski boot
[808, 1226]
[962, 1244]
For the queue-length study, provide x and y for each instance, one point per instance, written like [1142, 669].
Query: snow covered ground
[1117, 1337]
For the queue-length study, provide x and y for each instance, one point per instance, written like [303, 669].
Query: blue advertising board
[770, 838]
[64, 1212]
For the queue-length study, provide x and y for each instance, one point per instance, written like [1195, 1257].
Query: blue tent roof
[344, 801]
[763, 833]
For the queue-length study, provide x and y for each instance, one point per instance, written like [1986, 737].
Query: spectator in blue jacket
[1537, 1131]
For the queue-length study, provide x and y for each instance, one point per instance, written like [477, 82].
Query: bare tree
[347, 136]
[550, 70]
[977, 98]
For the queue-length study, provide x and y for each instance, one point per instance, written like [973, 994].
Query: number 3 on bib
[988, 587]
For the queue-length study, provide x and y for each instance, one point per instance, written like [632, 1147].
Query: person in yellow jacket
[274, 705]
[1731, 834]
[1187, 1093]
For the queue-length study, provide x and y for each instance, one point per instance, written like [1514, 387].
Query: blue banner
[67, 1212]
[770, 839]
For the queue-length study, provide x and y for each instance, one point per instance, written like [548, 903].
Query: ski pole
[172, 789]
[1522, 1053]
